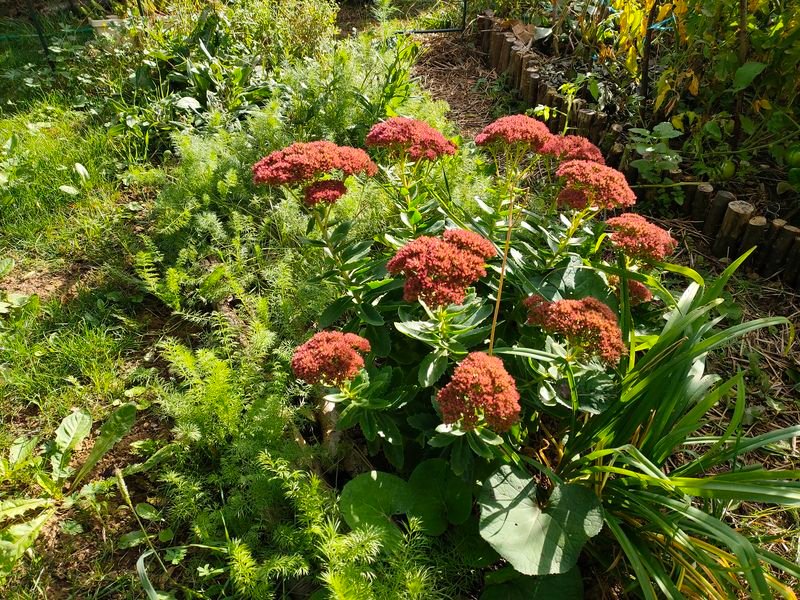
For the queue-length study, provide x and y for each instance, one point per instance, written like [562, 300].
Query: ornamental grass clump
[410, 139]
[438, 271]
[638, 238]
[587, 324]
[481, 390]
[330, 358]
[589, 184]
[572, 147]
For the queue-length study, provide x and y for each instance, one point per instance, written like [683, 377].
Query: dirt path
[452, 69]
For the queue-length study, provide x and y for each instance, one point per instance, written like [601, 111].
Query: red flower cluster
[587, 323]
[304, 161]
[480, 388]
[573, 147]
[638, 238]
[515, 129]
[592, 184]
[330, 357]
[416, 139]
[638, 292]
[438, 271]
[328, 190]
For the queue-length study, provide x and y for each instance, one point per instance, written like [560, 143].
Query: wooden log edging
[731, 224]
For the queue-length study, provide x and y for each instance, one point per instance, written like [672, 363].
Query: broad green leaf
[6, 265]
[10, 509]
[16, 539]
[745, 75]
[147, 511]
[335, 310]
[432, 367]
[536, 540]
[439, 496]
[69, 190]
[112, 431]
[70, 433]
[131, 539]
[371, 499]
[567, 586]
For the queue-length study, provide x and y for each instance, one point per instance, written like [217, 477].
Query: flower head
[572, 147]
[592, 184]
[480, 388]
[586, 323]
[438, 271]
[305, 161]
[471, 242]
[330, 357]
[515, 129]
[327, 190]
[637, 291]
[639, 238]
[416, 139]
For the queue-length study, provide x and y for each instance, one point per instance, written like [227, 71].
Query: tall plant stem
[502, 273]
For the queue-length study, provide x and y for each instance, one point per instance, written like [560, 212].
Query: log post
[716, 212]
[764, 250]
[702, 199]
[600, 124]
[611, 136]
[615, 155]
[533, 78]
[733, 225]
[496, 47]
[505, 53]
[753, 234]
[560, 116]
[585, 121]
[791, 272]
[577, 105]
[550, 101]
[780, 248]
[485, 23]
[515, 66]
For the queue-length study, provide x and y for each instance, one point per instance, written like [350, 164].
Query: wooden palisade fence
[730, 224]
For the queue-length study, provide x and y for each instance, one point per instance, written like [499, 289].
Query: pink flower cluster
[330, 357]
[480, 388]
[572, 147]
[638, 238]
[304, 162]
[588, 183]
[638, 292]
[438, 271]
[515, 129]
[587, 323]
[326, 190]
[415, 139]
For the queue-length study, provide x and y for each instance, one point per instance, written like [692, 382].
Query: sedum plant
[528, 361]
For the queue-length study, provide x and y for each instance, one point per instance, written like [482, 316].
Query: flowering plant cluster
[410, 138]
[637, 238]
[438, 271]
[304, 163]
[516, 335]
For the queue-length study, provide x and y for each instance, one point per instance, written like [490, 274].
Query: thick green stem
[502, 273]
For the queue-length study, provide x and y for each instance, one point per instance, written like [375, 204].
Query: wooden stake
[777, 254]
[716, 212]
[753, 235]
[791, 272]
[702, 199]
[615, 155]
[733, 224]
[505, 53]
[533, 86]
[763, 252]
[585, 121]
[496, 47]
